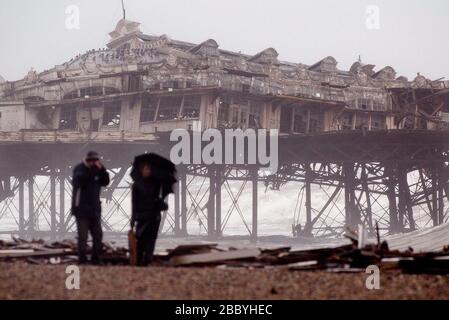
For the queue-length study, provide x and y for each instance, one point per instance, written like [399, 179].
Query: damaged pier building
[374, 144]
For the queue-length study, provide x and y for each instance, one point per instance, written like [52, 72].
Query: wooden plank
[4, 254]
[16, 251]
[194, 248]
[215, 257]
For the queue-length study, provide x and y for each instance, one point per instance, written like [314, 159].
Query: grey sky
[412, 36]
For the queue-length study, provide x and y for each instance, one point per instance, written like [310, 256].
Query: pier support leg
[176, 210]
[308, 202]
[440, 176]
[435, 195]
[405, 202]
[62, 222]
[183, 203]
[366, 190]
[391, 193]
[31, 213]
[53, 222]
[351, 210]
[218, 181]
[254, 177]
[21, 208]
[211, 204]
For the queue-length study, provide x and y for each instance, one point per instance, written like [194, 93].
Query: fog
[410, 35]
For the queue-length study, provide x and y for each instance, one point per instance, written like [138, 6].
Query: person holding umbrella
[153, 177]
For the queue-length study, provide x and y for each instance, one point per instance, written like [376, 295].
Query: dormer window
[208, 48]
[268, 56]
[328, 64]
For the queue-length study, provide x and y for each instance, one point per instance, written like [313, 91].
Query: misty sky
[413, 34]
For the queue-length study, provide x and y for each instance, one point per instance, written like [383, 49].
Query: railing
[55, 136]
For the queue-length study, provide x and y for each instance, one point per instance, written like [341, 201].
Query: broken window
[378, 105]
[172, 85]
[378, 122]
[111, 113]
[352, 104]
[90, 92]
[235, 115]
[134, 83]
[246, 88]
[108, 90]
[156, 87]
[285, 124]
[191, 107]
[169, 108]
[364, 104]
[314, 125]
[169, 85]
[362, 121]
[68, 118]
[243, 118]
[148, 110]
[72, 95]
[300, 121]
[223, 112]
[32, 99]
[254, 114]
[346, 121]
[239, 113]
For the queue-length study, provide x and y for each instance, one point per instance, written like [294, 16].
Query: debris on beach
[343, 259]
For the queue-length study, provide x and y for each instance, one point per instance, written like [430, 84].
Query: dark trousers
[84, 226]
[147, 232]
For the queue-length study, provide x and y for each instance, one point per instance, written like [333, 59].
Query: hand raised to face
[98, 164]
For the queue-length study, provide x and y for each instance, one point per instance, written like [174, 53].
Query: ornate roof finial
[124, 10]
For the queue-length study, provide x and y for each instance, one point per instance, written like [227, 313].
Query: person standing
[88, 178]
[146, 212]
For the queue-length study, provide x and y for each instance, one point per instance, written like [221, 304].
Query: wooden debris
[321, 255]
[345, 270]
[132, 245]
[427, 265]
[4, 254]
[194, 248]
[350, 258]
[214, 257]
[306, 265]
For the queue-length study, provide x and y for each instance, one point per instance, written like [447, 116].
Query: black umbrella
[162, 170]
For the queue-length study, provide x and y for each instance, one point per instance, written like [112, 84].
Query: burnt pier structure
[356, 146]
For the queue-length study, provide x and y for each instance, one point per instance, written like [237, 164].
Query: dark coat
[146, 200]
[87, 183]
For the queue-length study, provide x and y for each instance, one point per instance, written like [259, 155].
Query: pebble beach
[27, 281]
